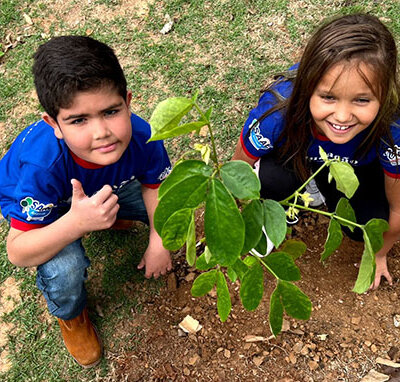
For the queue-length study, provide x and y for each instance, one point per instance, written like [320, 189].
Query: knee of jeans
[65, 270]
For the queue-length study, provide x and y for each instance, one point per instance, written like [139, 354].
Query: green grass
[226, 49]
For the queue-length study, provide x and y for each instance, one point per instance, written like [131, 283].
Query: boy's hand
[381, 270]
[96, 212]
[156, 262]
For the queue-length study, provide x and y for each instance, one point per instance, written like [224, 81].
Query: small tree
[235, 216]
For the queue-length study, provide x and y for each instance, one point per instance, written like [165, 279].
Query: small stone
[227, 353]
[374, 376]
[192, 361]
[313, 365]
[297, 347]
[367, 343]
[292, 358]
[258, 360]
[190, 276]
[171, 282]
[304, 350]
[356, 320]
[374, 349]
[186, 371]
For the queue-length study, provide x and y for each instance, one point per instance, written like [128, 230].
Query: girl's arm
[392, 189]
[241, 155]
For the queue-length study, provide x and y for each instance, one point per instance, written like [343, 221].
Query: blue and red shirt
[260, 137]
[36, 173]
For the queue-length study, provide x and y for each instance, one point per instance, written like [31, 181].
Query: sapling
[234, 217]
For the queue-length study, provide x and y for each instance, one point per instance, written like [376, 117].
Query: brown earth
[341, 342]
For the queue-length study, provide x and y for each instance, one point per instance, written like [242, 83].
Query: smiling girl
[344, 97]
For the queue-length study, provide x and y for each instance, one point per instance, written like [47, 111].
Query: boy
[81, 167]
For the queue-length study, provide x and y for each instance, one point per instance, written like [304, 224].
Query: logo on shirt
[165, 173]
[256, 138]
[34, 209]
[393, 156]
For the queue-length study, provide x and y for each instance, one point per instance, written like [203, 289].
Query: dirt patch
[10, 296]
[341, 341]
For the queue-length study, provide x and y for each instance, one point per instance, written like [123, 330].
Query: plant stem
[329, 214]
[284, 201]
[214, 149]
[266, 266]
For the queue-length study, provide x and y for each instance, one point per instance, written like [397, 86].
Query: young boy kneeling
[79, 169]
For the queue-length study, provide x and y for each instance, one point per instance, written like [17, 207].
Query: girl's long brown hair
[359, 38]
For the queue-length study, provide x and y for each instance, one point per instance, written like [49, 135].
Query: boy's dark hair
[66, 65]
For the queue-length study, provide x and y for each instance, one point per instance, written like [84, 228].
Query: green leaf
[373, 242]
[283, 266]
[202, 264]
[253, 217]
[231, 274]
[333, 240]
[183, 171]
[262, 245]
[252, 287]
[345, 211]
[295, 302]
[250, 261]
[346, 179]
[224, 304]
[366, 273]
[322, 154]
[167, 115]
[275, 313]
[175, 231]
[186, 194]
[375, 229]
[191, 241]
[204, 283]
[240, 268]
[240, 180]
[274, 221]
[223, 224]
[294, 248]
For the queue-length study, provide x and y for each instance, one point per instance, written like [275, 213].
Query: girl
[343, 96]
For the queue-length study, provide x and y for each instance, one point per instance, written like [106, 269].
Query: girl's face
[342, 104]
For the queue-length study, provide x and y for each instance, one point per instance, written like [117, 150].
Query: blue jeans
[61, 279]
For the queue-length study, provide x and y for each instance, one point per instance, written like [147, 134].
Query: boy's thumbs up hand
[77, 190]
[96, 212]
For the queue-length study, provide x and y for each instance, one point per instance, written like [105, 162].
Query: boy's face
[96, 127]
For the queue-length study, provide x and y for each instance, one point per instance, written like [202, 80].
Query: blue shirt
[36, 173]
[259, 138]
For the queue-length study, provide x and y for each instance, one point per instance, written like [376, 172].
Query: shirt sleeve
[259, 137]
[390, 156]
[35, 199]
[158, 165]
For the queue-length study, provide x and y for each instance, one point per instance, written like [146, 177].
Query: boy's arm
[392, 189]
[156, 259]
[34, 247]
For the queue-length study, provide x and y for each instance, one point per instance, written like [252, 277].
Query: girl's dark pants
[278, 181]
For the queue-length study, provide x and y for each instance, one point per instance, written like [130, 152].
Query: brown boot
[81, 340]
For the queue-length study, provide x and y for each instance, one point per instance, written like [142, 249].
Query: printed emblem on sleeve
[393, 156]
[165, 173]
[256, 138]
[34, 209]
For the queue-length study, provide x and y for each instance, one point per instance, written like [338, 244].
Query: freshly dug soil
[341, 342]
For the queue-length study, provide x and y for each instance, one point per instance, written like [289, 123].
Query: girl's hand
[381, 270]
